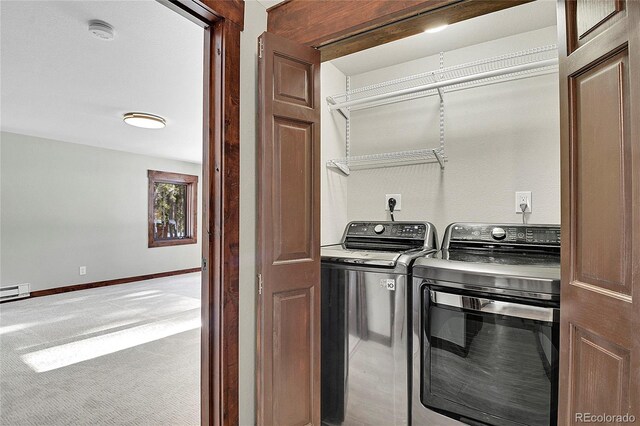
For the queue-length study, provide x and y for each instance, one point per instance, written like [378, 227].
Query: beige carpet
[120, 355]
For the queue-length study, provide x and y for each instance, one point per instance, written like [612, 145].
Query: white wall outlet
[83, 270]
[523, 197]
[398, 198]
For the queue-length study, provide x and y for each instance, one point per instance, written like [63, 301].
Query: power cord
[392, 206]
[523, 207]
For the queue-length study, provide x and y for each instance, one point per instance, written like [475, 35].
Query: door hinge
[260, 48]
[259, 283]
[204, 264]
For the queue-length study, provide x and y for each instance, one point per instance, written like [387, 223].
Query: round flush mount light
[101, 30]
[144, 120]
[436, 29]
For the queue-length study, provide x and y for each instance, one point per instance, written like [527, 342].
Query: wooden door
[600, 127]
[288, 365]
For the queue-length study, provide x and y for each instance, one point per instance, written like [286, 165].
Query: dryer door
[489, 360]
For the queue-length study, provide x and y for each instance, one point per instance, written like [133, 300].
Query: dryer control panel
[548, 235]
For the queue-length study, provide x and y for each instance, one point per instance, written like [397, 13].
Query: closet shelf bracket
[439, 157]
[340, 165]
[343, 111]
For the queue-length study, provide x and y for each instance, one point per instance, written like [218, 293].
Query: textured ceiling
[60, 82]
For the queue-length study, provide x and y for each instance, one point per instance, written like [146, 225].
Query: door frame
[350, 27]
[222, 21]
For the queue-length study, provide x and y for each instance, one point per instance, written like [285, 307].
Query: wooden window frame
[191, 182]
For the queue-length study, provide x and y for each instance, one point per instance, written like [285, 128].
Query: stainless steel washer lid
[339, 254]
[382, 244]
[523, 278]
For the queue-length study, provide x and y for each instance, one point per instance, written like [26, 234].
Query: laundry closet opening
[498, 135]
[459, 124]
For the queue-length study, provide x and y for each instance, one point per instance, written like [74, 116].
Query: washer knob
[378, 229]
[498, 234]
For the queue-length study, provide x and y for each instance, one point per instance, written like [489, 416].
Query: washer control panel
[506, 234]
[404, 230]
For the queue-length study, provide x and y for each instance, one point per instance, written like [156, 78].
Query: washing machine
[366, 321]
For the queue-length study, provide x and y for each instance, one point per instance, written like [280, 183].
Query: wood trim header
[231, 10]
[339, 28]
[316, 23]
[160, 176]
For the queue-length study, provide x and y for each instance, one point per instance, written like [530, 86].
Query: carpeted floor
[122, 355]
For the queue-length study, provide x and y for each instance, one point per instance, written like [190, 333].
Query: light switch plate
[523, 197]
[398, 198]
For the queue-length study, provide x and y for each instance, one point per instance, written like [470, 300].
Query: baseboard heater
[14, 292]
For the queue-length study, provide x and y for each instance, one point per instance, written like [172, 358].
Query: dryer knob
[378, 229]
[498, 234]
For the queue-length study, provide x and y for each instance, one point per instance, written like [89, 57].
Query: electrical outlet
[523, 197]
[83, 270]
[398, 198]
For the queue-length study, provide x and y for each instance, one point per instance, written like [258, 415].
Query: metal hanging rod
[444, 83]
[479, 73]
[449, 89]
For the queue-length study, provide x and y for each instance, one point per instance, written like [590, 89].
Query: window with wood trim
[173, 208]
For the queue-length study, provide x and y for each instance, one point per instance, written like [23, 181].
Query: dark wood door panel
[592, 310]
[294, 81]
[600, 374]
[288, 368]
[293, 357]
[293, 190]
[600, 157]
[590, 18]
[602, 175]
[591, 14]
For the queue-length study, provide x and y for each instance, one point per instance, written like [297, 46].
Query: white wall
[66, 205]
[255, 23]
[334, 183]
[499, 139]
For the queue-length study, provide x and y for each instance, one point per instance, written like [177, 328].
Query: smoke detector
[101, 30]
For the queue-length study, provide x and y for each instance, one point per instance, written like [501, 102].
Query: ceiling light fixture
[436, 29]
[144, 120]
[101, 30]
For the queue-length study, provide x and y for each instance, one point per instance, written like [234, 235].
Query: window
[173, 208]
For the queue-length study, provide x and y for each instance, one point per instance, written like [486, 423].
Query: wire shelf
[527, 63]
[513, 66]
[389, 159]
